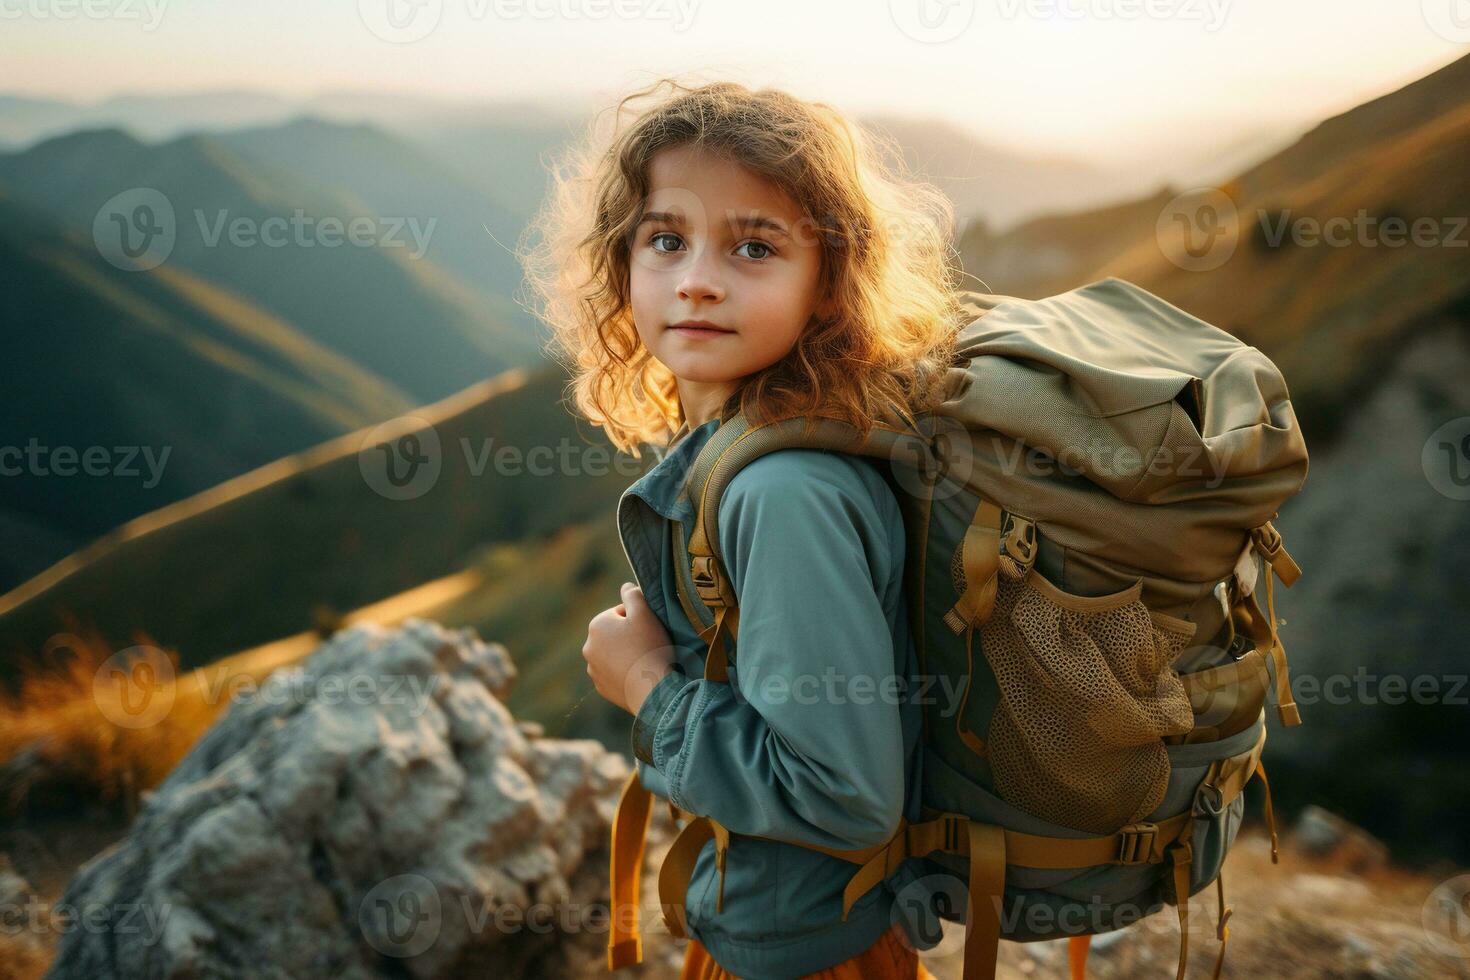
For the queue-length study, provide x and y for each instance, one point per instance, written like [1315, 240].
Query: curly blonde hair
[886, 261]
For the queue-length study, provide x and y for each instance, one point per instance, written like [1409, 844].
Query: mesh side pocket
[1087, 694]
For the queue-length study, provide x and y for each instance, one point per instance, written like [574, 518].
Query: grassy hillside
[99, 357]
[473, 234]
[281, 548]
[403, 318]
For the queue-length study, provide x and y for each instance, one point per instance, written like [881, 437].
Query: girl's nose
[699, 281]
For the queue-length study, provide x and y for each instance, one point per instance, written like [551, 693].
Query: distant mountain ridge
[404, 318]
[99, 357]
[473, 235]
[234, 351]
[500, 146]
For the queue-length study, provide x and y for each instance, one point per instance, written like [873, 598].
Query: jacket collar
[662, 487]
[654, 495]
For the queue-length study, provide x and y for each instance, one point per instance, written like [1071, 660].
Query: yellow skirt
[890, 958]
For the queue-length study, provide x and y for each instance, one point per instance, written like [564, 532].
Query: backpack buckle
[1240, 644]
[1018, 543]
[708, 581]
[1138, 844]
[956, 828]
[1267, 539]
[944, 832]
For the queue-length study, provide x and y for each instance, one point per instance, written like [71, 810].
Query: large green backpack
[1083, 512]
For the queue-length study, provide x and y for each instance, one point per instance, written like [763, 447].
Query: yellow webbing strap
[716, 660]
[1222, 931]
[990, 848]
[973, 742]
[1267, 541]
[676, 529]
[980, 556]
[1181, 854]
[987, 847]
[678, 866]
[1229, 776]
[1286, 707]
[1138, 843]
[625, 867]
[1270, 814]
[1077, 948]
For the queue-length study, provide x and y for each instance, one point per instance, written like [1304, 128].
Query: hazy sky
[1066, 75]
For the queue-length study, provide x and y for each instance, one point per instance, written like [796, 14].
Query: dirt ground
[1303, 918]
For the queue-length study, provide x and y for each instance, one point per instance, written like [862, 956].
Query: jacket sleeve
[806, 742]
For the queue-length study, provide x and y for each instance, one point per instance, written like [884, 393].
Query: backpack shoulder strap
[734, 445]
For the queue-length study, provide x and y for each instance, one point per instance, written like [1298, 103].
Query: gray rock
[1324, 834]
[13, 886]
[372, 812]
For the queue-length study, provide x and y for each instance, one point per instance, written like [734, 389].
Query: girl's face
[720, 244]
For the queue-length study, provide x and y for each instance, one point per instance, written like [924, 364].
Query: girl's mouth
[699, 332]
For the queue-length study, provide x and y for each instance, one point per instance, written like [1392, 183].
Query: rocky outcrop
[23, 949]
[1325, 835]
[374, 811]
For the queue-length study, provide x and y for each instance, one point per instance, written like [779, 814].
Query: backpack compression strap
[1279, 564]
[996, 542]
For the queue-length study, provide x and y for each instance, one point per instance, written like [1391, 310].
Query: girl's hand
[628, 651]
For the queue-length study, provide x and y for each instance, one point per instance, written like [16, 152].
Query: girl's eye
[753, 244]
[673, 244]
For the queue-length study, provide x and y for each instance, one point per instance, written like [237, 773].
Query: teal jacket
[815, 738]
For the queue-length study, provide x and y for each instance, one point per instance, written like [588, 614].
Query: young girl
[745, 251]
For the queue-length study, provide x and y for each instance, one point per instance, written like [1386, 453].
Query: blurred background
[247, 250]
